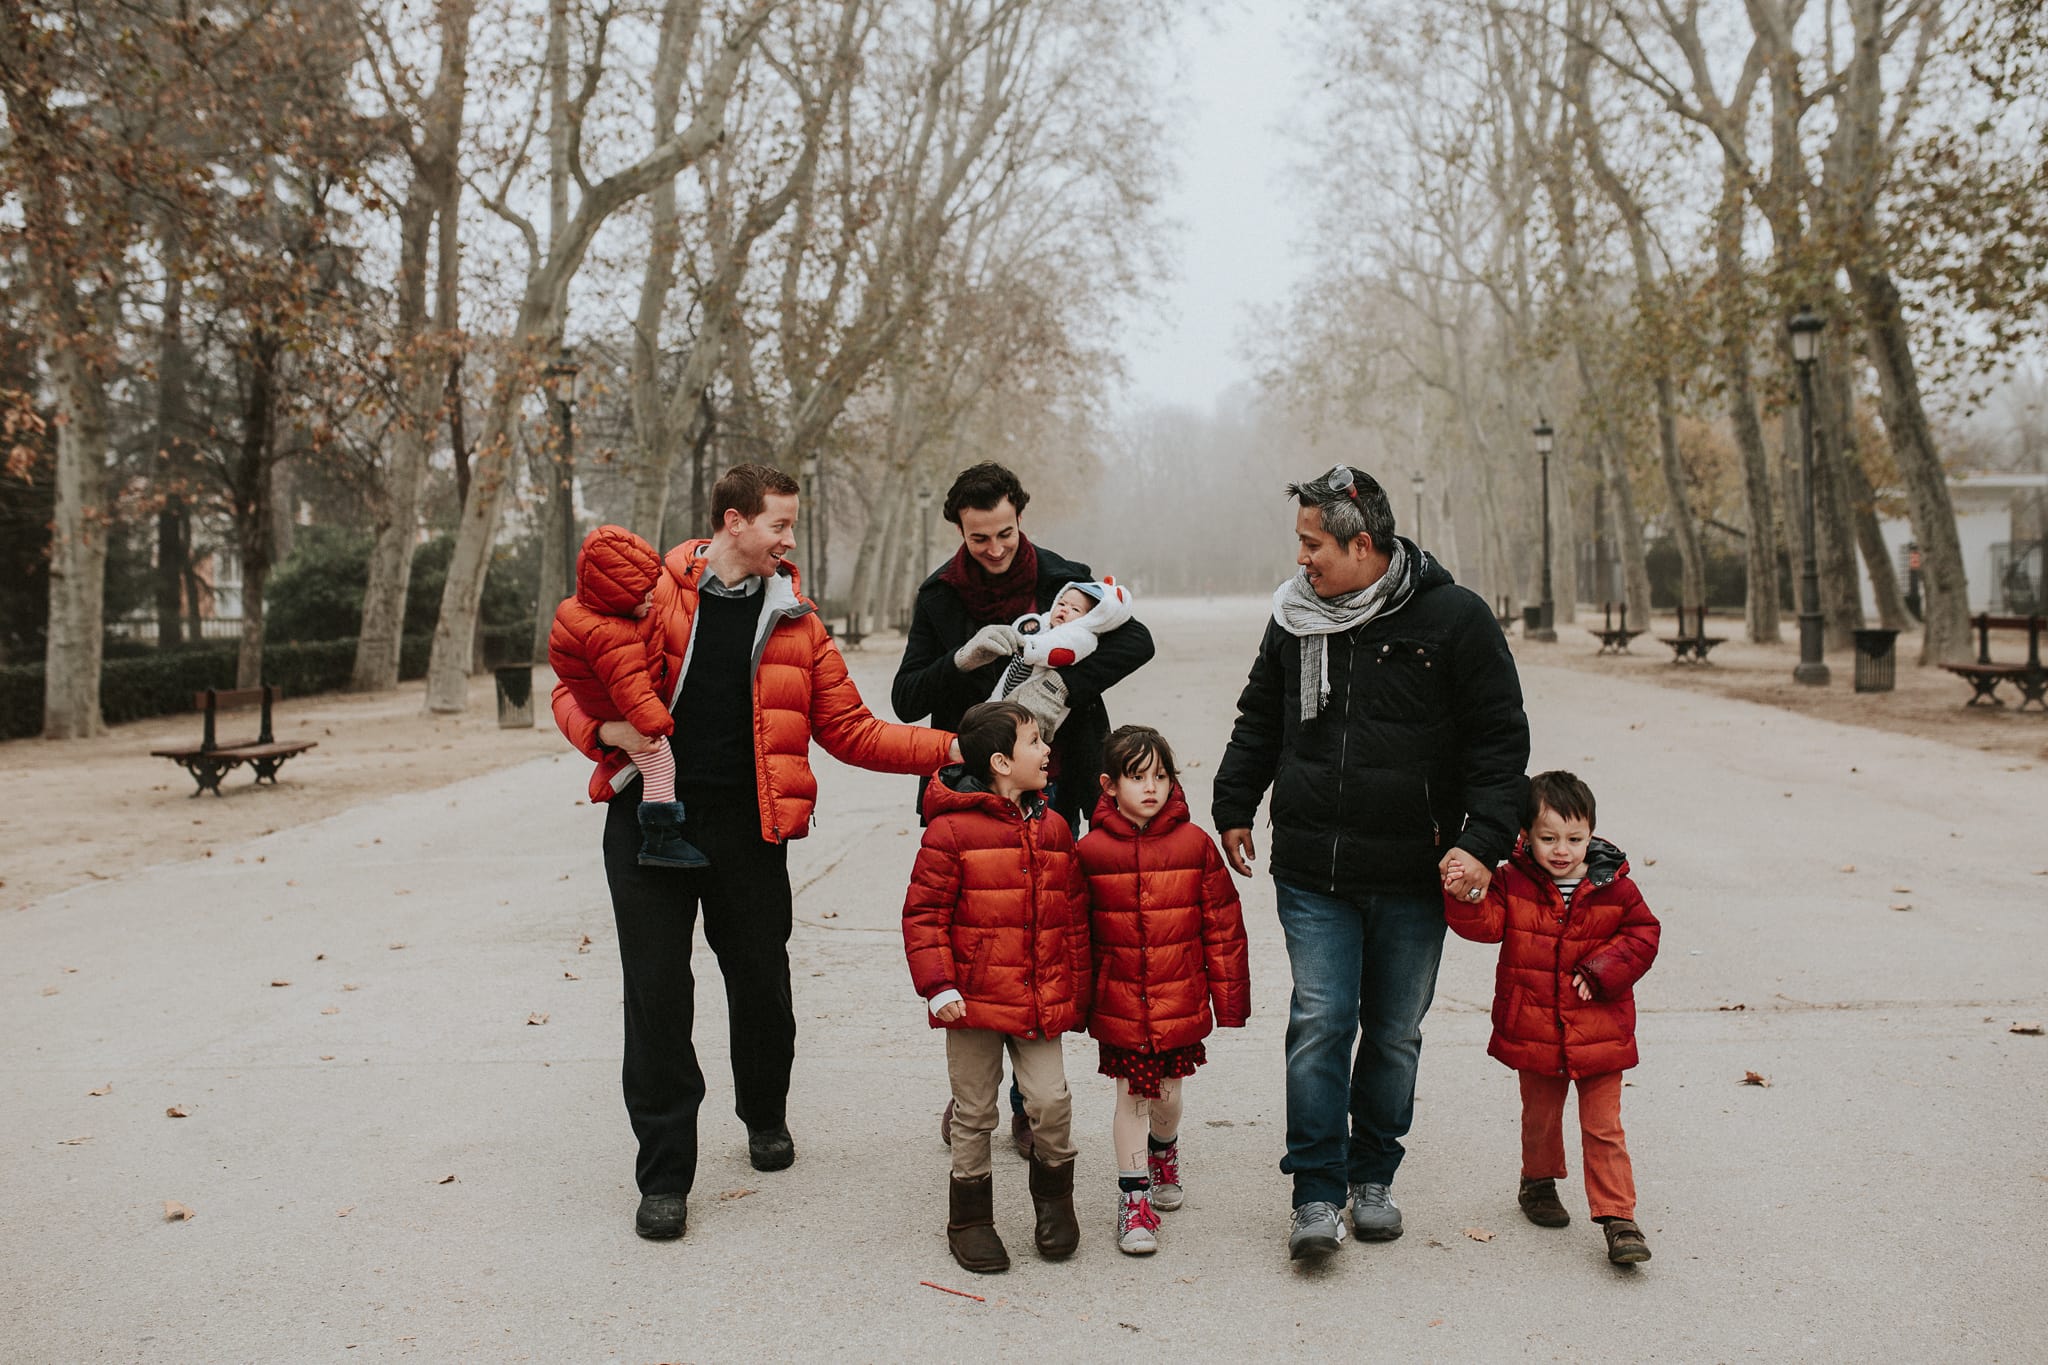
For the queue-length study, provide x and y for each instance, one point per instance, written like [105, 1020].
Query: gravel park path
[376, 1056]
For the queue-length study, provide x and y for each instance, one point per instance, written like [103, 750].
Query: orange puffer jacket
[607, 658]
[1168, 930]
[1606, 932]
[997, 911]
[801, 690]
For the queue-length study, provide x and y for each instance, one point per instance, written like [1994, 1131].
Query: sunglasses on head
[1342, 480]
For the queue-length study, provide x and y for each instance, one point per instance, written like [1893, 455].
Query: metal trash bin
[1532, 620]
[515, 696]
[1877, 660]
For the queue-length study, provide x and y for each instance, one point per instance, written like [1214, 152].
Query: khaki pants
[974, 1064]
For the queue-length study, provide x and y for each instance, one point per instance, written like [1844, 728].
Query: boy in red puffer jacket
[1575, 936]
[607, 658]
[995, 925]
[1169, 948]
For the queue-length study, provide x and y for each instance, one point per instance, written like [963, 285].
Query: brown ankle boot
[971, 1226]
[1540, 1204]
[1052, 1195]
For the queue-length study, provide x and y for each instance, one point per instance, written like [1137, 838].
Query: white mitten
[989, 644]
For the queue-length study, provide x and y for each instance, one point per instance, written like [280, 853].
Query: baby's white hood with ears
[1075, 641]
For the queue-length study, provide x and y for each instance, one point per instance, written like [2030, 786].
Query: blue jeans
[1364, 973]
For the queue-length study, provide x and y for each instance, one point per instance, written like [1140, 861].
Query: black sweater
[1421, 746]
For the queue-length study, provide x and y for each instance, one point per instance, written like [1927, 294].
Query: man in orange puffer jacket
[605, 656]
[753, 676]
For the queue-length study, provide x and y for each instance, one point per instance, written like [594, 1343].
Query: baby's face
[1071, 603]
[646, 605]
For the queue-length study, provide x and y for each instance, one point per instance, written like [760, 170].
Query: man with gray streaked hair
[1384, 712]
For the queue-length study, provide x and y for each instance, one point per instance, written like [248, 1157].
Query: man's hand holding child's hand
[1464, 876]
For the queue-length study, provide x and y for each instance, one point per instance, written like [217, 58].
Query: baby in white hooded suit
[1081, 615]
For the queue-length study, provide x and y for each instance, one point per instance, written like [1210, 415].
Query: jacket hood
[614, 570]
[1171, 816]
[1604, 862]
[1425, 571]
[951, 789]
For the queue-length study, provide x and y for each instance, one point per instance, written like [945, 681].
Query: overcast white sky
[1237, 229]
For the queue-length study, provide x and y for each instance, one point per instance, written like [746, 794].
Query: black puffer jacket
[1421, 746]
[927, 684]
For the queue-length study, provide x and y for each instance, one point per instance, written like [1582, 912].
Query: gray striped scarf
[1314, 619]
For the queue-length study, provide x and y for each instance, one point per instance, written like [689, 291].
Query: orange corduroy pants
[1610, 1180]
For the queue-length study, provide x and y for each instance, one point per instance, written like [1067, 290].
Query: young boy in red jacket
[1170, 964]
[1575, 936]
[995, 925]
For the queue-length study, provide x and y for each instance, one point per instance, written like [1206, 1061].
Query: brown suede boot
[971, 1226]
[1052, 1195]
[1540, 1204]
[1625, 1242]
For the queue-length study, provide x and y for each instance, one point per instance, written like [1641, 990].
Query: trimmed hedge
[162, 683]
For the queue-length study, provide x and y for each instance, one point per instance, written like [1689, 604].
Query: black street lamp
[811, 523]
[1813, 670]
[924, 533]
[1546, 628]
[561, 375]
[1416, 481]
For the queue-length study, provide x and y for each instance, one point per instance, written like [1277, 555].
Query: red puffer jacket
[997, 911]
[1539, 1022]
[608, 659]
[801, 690]
[1168, 930]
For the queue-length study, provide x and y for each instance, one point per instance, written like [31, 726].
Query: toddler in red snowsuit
[1575, 936]
[606, 656]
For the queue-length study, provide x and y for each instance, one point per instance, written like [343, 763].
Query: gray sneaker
[1375, 1217]
[1318, 1228]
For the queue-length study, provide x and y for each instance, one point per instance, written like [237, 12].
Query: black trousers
[745, 898]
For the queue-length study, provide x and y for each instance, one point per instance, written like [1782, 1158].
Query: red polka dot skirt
[1144, 1070]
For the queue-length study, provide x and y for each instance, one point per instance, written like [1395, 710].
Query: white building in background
[1999, 517]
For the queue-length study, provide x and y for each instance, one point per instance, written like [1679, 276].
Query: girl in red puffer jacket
[605, 656]
[1169, 951]
[1575, 937]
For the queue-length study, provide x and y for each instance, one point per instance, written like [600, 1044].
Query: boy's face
[1140, 794]
[1559, 844]
[1071, 603]
[646, 605]
[1025, 767]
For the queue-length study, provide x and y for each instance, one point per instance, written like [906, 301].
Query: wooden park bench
[1614, 639]
[209, 761]
[1984, 676]
[1693, 648]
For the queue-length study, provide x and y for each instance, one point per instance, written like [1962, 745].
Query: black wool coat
[927, 684]
[1421, 747]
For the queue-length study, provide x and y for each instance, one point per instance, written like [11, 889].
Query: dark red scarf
[995, 599]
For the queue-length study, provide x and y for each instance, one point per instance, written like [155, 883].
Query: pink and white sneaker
[1135, 1224]
[1166, 1191]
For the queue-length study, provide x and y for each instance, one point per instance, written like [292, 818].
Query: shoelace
[1314, 1212]
[1139, 1213]
[1373, 1196]
[1166, 1166]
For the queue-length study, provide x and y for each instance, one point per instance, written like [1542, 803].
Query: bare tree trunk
[173, 456]
[1761, 609]
[1841, 596]
[429, 372]
[1877, 561]
[78, 549]
[252, 502]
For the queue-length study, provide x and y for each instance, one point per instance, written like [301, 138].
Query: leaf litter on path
[1755, 1078]
[1479, 1234]
[2030, 1026]
[174, 1212]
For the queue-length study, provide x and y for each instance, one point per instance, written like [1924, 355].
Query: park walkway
[394, 1038]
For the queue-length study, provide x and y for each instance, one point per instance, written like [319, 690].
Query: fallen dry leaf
[1848, 867]
[332, 1009]
[396, 946]
[68, 971]
[174, 1112]
[2031, 1026]
[280, 983]
[345, 1212]
[1755, 1078]
[106, 1089]
[1902, 905]
[1902, 890]
[828, 914]
[445, 1180]
[536, 1018]
[73, 1142]
[584, 946]
[1479, 1234]
[1729, 1009]
[174, 1212]
[570, 976]
[350, 986]
[1436, 1322]
[326, 1056]
[735, 1194]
